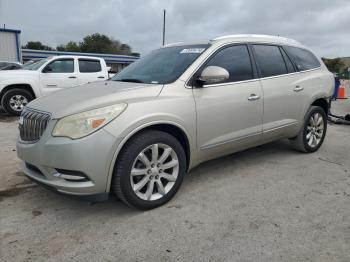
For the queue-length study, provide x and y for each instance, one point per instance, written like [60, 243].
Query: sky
[323, 25]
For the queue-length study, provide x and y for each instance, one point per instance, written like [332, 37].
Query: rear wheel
[14, 100]
[149, 170]
[311, 136]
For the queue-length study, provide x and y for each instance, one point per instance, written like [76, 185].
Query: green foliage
[95, 43]
[37, 45]
[335, 65]
[70, 47]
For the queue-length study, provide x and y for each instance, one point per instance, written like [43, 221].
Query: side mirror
[214, 74]
[47, 69]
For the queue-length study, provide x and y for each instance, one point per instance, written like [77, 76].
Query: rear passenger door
[282, 100]
[90, 70]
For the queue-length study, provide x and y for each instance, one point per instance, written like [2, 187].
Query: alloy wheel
[314, 130]
[154, 172]
[18, 102]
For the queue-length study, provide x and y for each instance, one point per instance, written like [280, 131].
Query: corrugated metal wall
[8, 46]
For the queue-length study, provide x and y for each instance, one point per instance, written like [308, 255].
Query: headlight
[85, 123]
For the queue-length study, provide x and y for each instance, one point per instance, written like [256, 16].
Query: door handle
[72, 77]
[298, 89]
[253, 97]
[101, 77]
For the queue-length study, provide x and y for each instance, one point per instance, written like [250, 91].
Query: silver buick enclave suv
[137, 134]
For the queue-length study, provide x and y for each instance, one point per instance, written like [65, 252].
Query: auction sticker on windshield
[192, 51]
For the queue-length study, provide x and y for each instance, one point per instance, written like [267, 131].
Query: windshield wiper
[134, 80]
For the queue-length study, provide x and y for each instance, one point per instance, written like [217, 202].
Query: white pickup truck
[19, 87]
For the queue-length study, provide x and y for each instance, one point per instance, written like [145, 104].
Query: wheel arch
[168, 127]
[323, 103]
[24, 86]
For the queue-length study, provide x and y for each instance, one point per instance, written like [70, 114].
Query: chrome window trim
[231, 83]
[244, 81]
[253, 80]
[293, 73]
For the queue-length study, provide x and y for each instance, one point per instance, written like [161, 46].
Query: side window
[89, 66]
[60, 66]
[270, 60]
[304, 59]
[236, 60]
[289, 63]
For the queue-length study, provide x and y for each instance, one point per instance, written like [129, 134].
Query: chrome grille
[32, 124]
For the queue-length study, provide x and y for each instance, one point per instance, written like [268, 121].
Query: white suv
[138, 134]
[19, 87]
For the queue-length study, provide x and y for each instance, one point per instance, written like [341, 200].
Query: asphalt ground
[268, 203]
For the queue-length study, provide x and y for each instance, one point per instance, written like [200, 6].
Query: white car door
[90, 70]
[229, 113]
[59, 73]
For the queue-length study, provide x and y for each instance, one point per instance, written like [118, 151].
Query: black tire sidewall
[129, 154]
[312, 111]
[12, 92]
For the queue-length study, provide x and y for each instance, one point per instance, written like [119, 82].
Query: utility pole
[164, 27]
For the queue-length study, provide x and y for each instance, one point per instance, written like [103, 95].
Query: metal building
[10, 46]
[116, 62]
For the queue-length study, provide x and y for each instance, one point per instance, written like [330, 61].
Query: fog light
[70, 175]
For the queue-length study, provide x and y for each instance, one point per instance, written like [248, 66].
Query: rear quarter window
[303, 59]
[89, 66]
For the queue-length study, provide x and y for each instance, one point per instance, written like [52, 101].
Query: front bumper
[91, 156]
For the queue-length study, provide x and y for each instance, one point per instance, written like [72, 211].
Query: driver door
[58, 74]
[229, 113]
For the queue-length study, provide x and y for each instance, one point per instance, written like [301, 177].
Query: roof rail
[284, 39]
[171, 44]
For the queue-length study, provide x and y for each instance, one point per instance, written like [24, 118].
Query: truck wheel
[14, 100]
[313, 132]
[149, 170]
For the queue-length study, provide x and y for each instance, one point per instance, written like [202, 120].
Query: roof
[74, 56]
[256, 38]
[10, 30]
[33, 54]
[244, 38]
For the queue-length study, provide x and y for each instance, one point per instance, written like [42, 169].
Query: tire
[15, 99]
[311, 131]
[129, 187]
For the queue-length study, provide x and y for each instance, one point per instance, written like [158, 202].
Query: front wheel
[149, 170]
[14, 100]
[313, 132]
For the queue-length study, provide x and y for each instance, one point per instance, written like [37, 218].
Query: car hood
[93, 95]
[5, 74]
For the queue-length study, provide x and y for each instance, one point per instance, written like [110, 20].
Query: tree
[37, 45]
[99, 43]
[95, 43]
[70, 47]
[334, 65]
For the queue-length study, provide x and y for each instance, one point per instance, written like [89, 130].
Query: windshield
[161, 66]
[36, 65]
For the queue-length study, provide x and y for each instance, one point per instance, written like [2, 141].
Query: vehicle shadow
[215, 169]
[239, 160]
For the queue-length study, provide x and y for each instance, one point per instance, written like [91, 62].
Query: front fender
[132, 130]
[32, 82]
